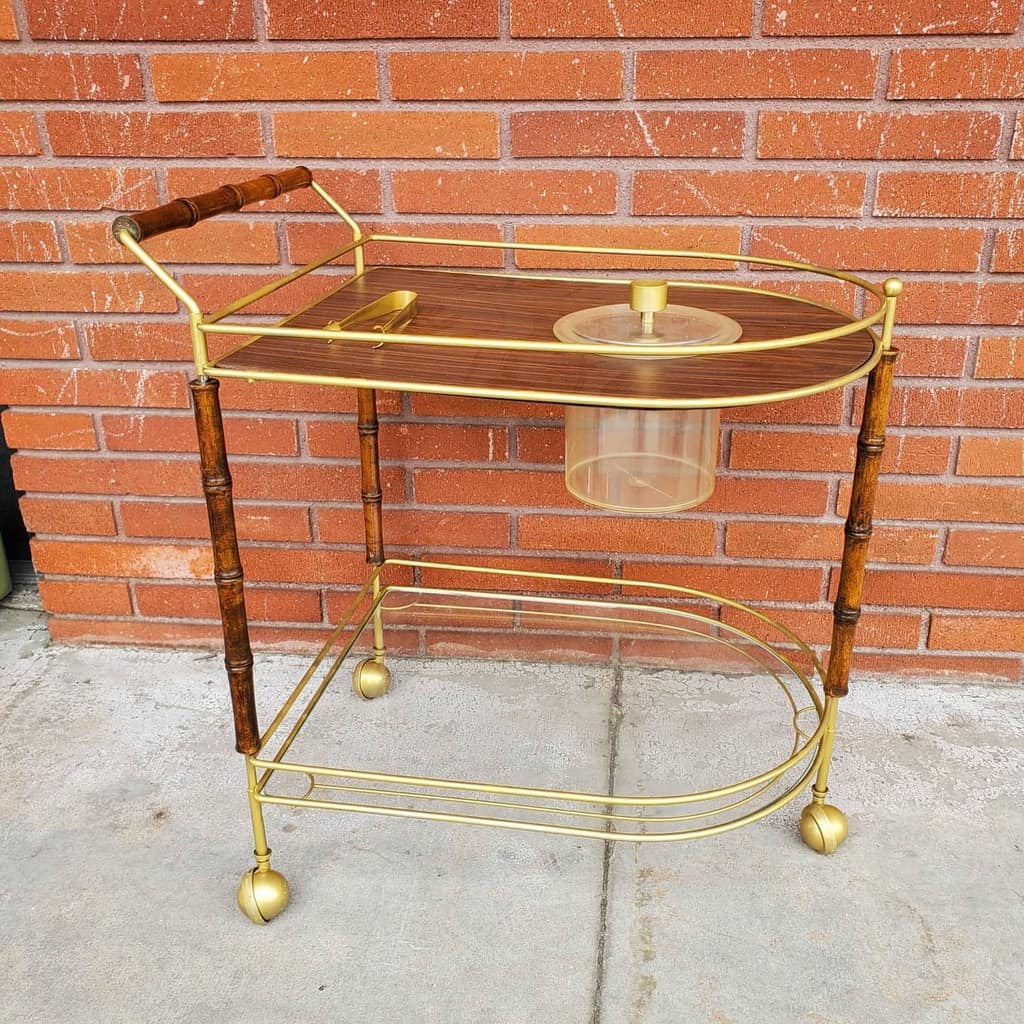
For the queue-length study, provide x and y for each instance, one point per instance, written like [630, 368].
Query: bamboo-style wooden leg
[823, 826]
[371, 677]
[369, 467]
[227, 566]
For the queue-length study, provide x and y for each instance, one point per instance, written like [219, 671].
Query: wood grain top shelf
[480, 305]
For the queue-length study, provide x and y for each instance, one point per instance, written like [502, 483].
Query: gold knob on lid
[648, 296]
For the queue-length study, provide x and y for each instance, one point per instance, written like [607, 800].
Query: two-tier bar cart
[489, 335]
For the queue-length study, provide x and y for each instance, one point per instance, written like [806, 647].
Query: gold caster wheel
[371, 679]
[823, 827]
[262, 894]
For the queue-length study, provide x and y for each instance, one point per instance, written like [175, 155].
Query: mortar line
[614, 726]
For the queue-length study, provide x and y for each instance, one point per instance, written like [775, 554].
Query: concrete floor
[123, 831]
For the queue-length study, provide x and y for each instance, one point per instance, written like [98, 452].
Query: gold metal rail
[380, 598]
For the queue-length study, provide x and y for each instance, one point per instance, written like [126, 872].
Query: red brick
[749, 193]
[702, 237]
[37, 339]
[219, 241]
[961, 302]
[138, 340]
[311, 481]
[294, 637]
[50, 431]
[968, 407]
[421, 529]
[522, 75]
[1000, 359]
[144, 561]
[8, 26]
[838, 294]
[439, 442]
[977, 633]
[89, 133]
[630, 19]
[263, 435]
[875, 629]
[141, 340]
[824, 542]
[540, 444]
[692, 654]
[262, 604]
[280, 75]
[122, 292]
[454, 408]
[616, 535]
[78, 385]
[860, 135]
[77, 188]
[1008, 255]
[563, 192]
[1017, 149]
[826, 407]
[991, 456]
[28, 241]
[68, 516]
[304, 565]
[213, 290]
[936, 73]
[950, 194]
[942, 356]
[262, 395]
[122, 631]
[387, 133]
[19, 135]
[85, 597]
[732, 73]
[356, 190]
[761, 496]
[944, 502]
[915, 588]
[138, 19]
[737, 582]
[958, 668]
[412, 19]
[872, 248]
[593, 567]
[85, 475]
[70, 76]
[501, 487]
[520, 646]
[985, 548]
[806, 451]
[412, 441]
[309, 239]
[898, 17]
[188, 520]
[627, 133]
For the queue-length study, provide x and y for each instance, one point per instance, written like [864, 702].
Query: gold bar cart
[489, 335]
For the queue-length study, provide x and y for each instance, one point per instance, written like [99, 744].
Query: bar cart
[493, 335]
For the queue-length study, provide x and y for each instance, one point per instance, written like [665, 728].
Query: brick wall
[880, 138]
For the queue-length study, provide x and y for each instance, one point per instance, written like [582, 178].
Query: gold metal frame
[263, 892]
[371, 605]
[213, 323]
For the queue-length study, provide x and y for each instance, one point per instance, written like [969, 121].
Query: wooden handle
[183, 213]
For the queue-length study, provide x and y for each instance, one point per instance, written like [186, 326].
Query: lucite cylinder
[638, 460]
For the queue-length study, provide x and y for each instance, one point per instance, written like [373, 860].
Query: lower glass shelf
[684, 683]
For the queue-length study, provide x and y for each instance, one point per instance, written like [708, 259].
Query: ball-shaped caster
[823, 827]
[371, 679]
[262, 894]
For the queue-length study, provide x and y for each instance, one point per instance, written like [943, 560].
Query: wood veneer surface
[488, 306]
